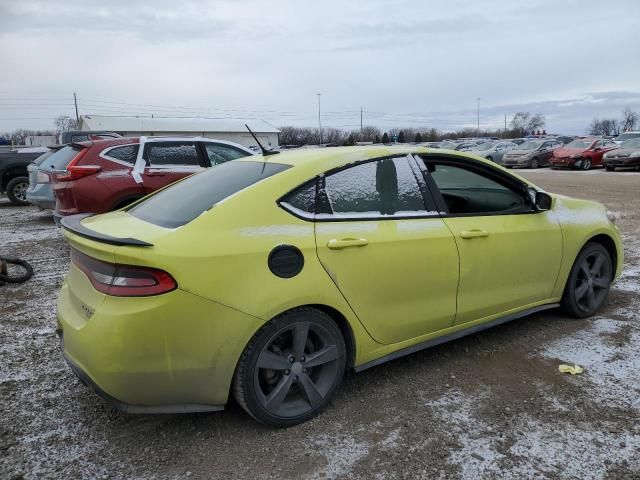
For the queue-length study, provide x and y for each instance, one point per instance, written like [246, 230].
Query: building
[230, 130]
[40, 140]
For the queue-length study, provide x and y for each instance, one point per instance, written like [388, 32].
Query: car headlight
[606, 155]
[612, 216]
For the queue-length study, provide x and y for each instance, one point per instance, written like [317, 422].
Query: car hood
[567, 152]
[622, 152]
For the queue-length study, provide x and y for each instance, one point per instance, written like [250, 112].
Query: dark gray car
[531, 154]
[627, 156]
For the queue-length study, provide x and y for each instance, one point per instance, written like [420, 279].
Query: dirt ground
[491, 405]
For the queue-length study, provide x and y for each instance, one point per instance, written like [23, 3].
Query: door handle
[335, 244]
[475, 233]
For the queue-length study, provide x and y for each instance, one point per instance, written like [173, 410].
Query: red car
[107, 175]
[582, 153]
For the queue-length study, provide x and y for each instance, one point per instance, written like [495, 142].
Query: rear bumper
[128, 408]
[175, 352]
[41, 196]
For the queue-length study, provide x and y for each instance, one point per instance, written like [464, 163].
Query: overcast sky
[413, 63]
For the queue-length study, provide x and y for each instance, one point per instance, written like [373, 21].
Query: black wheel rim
[592, 282]
[20, 191]
[296, 370]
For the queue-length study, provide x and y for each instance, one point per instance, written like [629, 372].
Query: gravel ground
[491, 405]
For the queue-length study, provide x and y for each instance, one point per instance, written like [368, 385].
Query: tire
[17, 190]
[589, 281]
[586, 164]
[299, 381]
[534, 163]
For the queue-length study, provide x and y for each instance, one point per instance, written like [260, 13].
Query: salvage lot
[489, 405]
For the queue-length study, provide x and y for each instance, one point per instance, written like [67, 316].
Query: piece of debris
[572, 369]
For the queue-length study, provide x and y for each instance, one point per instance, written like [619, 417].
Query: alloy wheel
[296, 370]
[586, 164]
[592, 282]
[20, 191]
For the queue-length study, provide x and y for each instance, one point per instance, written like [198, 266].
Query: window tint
[383, 187]
[126, 153]
[171, 153]
[184, 201]
[302, 200]
[60, 159]
[219, 153]
[40, 160]
[469, 192]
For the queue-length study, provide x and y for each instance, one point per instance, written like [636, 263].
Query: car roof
[311, 162]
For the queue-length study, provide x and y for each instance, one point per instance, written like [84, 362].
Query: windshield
[579, 144]
[529, 145]
[184, 201]
[633, 143]
[627, 136]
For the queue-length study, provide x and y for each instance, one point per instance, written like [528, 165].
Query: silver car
[41, 170]
[493, 151]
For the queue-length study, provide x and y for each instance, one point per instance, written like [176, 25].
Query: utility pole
[361, 122]
[505, 121]
[319, 120]
[478, 130]
[75, 102]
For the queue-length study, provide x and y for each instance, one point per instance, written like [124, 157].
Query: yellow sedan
[267, 277]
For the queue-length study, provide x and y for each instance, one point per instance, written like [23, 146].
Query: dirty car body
[267, 277]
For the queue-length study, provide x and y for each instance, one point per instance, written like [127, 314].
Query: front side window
[171, 153]
[126, 153]
[219, 153]
[384, 187]
[470, 192]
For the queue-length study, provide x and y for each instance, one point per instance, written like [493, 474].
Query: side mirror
[543, 201]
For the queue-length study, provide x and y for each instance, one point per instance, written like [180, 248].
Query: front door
[168, 161]
[510, 254]
[389, 253]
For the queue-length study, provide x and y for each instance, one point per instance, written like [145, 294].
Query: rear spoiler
[72, 223]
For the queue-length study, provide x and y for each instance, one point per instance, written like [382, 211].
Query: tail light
[75, 171]
[43, 177]
[123, 280]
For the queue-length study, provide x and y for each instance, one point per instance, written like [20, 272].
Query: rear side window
[184, 201]
[40, 160]
[60, 159]
[302, 200]
[126, 153]
[219, 153]
[171, 153]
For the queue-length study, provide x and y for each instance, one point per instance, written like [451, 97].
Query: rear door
[168, 161]
[386, 248]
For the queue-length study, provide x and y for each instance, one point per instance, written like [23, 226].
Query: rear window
[181, 203]
[60, 159]
[38, 161]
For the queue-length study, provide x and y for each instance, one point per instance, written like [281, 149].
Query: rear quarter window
[184, 201]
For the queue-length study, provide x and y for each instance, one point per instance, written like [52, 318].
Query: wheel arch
[610, 245]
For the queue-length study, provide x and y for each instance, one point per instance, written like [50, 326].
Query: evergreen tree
[401, 137]
[385, 138]
[376, 139]
[418, 138]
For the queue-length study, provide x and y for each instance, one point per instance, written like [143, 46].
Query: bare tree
[603, 126]
[64, 123]
[525, 123]
[629, 119]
